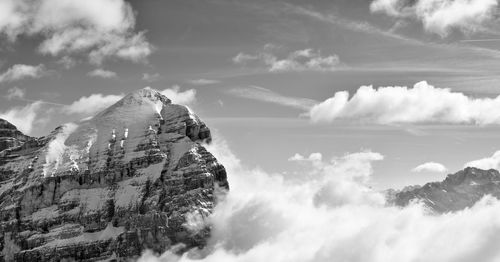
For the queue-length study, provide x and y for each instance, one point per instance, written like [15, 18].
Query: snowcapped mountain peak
[136, 166]
[137, 118]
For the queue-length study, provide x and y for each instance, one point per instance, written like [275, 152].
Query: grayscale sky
[261, 74]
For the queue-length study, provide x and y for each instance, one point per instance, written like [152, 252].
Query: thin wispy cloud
[480, 40]
[421, 104]
[266, 95]
[299, 60]
[21, 71]
[203, 81]
[15, 93]
[367, 28]
[151, 77]
[77, 28]
[353, 25]
[102, 73]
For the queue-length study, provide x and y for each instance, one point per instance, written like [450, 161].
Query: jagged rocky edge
[456, 192]
[118, 197]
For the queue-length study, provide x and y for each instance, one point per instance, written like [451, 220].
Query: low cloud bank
[331, 214]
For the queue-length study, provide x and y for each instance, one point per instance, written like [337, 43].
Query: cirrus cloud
[299, 60]
[102, 73]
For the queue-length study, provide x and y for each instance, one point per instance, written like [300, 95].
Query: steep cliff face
[10, 136]
[127, 179]
[458, 191]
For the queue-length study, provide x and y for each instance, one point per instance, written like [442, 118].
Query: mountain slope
[456, 192]
[109, 186]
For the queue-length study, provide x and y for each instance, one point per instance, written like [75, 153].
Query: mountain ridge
[456, 192]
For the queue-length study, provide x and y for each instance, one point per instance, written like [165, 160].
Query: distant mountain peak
[457, 191]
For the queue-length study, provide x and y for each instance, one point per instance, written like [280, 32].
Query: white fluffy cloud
[299, 60]
[15, 93]
[76, 27]
[23, 117]
[421, 104]
[331, 214]
[312, 157]
[439, 16]
[180, 97]
[89, 105]
[432, 167]
[102, 73]
[492, 162]
[20, 71]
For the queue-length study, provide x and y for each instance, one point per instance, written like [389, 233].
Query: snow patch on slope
[56, 149]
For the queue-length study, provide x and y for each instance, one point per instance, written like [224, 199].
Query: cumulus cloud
[77, 27]
[331, 214]
[102, 73]
[266, 95]
[20, 71]
[299, 60]
[15, 93]
[89, 105]
[311, 157]
[440, 16]
[492, 162]
[180, 97]
[430, 167]
[23, 117]
[421, 104]
[203, 82]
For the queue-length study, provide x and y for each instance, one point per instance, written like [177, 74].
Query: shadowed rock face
[458, 191]
[110, 186]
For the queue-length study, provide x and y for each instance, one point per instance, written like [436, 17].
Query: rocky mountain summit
[458, 191]
[133, 177]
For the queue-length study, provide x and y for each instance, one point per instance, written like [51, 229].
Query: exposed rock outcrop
[10, 137]
[458, 191]
[109, 187]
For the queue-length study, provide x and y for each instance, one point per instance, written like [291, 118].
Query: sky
[283, 82]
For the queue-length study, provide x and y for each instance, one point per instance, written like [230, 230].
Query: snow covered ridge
[137, 169]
